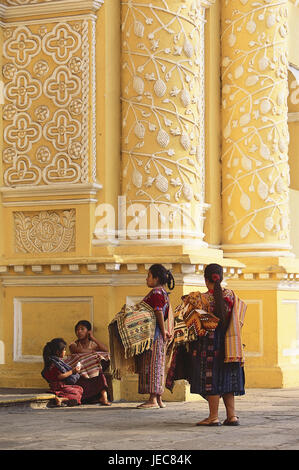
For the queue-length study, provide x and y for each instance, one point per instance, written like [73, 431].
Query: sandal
[229, 422]
[105, 403]
[205, 422]
[146, 406]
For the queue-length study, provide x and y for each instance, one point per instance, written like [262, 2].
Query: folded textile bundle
[131, 333]
[91, 363]
[192, 319]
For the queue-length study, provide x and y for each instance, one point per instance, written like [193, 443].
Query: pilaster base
[127, 390]
[270, 288]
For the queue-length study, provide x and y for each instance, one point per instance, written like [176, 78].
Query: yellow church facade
[136, 132]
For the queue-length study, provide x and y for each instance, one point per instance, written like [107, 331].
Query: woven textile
[234, 351]
[189, 324]
[130, 333]
[193, 318]
[151, 368]
[136, 326]
[91, 363]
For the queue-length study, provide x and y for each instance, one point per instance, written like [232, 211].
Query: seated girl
[61, 377]
[90, 352]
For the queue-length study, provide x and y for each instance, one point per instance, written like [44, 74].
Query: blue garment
[63, 367]
[209, 374]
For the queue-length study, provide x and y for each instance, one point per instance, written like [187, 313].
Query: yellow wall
[43, 294]
[293, 52]
[213, 222]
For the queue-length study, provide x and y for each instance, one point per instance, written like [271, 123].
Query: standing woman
[151, 363]
[212, 376]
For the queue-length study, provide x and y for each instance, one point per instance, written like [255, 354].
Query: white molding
[264, 246]
[113, 279]
[257, 254]
[287, 285]
[188, 268]
[58, 189]
[18, 355]
[132, 267]
[50, 202]
[152, 242]
[52, 8]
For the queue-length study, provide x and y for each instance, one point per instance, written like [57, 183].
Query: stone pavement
[269, 421]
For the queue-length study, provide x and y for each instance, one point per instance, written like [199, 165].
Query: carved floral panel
[45, 231]
[255, 129]
[46, 112]
[163, 102]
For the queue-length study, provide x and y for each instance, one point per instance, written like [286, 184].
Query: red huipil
[61, 389]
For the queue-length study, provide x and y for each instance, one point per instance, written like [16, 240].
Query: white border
[53, 7]
[18, 322]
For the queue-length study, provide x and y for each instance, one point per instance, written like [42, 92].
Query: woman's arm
[65, 375]
[101, 346]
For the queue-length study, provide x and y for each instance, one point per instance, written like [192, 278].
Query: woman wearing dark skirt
[210, 375]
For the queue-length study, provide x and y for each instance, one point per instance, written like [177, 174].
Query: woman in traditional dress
[210, 375]
[151, 363]
[95, 388]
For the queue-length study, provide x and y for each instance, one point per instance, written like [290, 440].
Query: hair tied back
[215, 277]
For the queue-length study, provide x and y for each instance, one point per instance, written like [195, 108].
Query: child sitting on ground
[90, 352]
[61, 377]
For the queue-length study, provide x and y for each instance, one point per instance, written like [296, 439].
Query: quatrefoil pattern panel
[46, 72]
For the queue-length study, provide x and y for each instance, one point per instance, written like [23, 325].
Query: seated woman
[62, 379]
[90, 352]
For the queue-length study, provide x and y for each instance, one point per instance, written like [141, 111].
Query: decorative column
[49, 166]
[163, 149]
[255, 131]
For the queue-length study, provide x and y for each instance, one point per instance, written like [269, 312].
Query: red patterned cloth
[60, 389]
[91, 363]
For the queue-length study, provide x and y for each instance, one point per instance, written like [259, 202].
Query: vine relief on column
[163, 101]
[45, 231]
[255, 130]
[46, 112]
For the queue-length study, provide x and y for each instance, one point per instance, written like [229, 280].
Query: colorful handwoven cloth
[91, 363]
[192, 318]
[130, 333]
[189, 325]
[234, 349]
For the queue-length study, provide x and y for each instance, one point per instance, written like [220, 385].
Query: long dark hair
[214, 273]
[165, 276]
[56, 345]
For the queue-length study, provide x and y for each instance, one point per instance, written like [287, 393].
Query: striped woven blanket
[91, 363]
[131, 333]
[187, 327]
[136, 326]
[234, 349]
